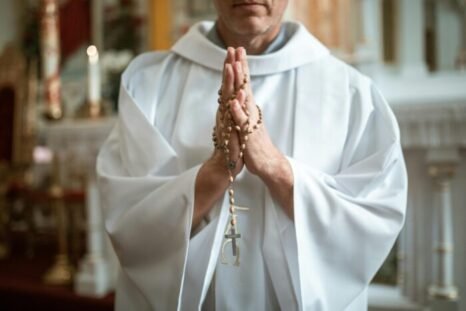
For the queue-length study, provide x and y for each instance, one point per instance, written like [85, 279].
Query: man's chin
[252, 26]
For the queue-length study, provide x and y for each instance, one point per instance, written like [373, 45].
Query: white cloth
[337, 132]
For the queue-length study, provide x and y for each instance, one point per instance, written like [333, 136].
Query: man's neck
[254, 44]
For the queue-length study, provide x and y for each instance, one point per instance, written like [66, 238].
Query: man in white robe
[321, 222]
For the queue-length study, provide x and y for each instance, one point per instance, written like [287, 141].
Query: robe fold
[350, 183]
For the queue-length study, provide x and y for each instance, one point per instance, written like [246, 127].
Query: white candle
[50, 45]
[93, 78]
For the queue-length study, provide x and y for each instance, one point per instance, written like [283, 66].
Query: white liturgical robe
[342, 142]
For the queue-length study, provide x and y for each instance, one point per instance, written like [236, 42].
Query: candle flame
[92, 52]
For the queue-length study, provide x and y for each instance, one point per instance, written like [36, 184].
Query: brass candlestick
[93, 110]
[61, 272]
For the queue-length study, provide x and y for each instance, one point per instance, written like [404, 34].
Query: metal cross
[233, 235]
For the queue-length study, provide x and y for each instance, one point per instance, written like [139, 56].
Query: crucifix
[233, 235]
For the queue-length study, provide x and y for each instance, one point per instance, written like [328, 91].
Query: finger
[247, 104]
[239, 75]
[224, 78]
[241, 56]
[242, 98]
[231, 56]
[228, 85]
[237, 113]
[229, 59]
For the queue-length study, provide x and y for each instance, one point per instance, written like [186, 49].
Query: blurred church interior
[60, 66]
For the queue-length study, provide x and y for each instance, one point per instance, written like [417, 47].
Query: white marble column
[372, 27]
[411, 38]
[442, 166]
[448, 27]
[372, 45]
[94, 277]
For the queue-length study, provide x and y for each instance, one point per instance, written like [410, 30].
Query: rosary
[227, 125]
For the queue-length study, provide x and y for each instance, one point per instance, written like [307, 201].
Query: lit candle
[93, 79]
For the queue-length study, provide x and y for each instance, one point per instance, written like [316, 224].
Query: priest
[250, 170]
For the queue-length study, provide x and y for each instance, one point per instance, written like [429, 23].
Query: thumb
[236, 109]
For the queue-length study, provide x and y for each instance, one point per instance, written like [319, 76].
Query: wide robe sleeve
[148, 203]
[346, 223]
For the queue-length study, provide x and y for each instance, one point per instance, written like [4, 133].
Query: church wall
[9, 22]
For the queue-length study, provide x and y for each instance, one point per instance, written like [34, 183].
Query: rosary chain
[223, 143]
